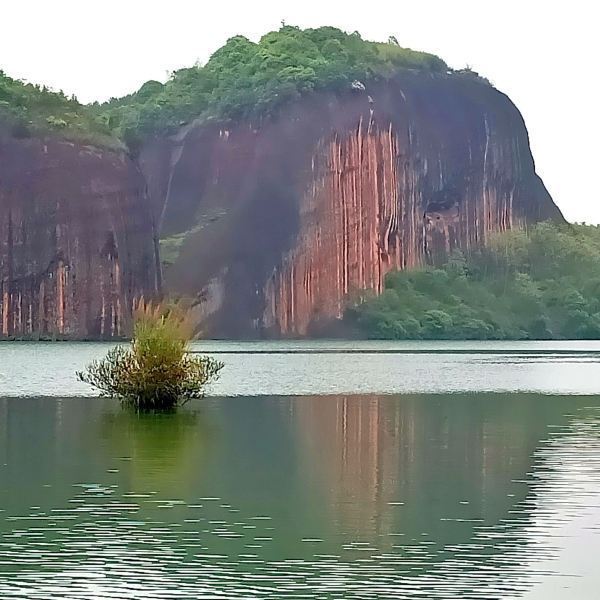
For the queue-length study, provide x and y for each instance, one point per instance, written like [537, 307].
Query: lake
[314, 470]
[334, 367]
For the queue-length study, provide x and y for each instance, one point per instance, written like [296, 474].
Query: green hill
[242, 79]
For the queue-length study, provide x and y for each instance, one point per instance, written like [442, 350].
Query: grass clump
[156, 371]
[170, 247]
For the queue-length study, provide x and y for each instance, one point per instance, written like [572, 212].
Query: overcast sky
[543, 53]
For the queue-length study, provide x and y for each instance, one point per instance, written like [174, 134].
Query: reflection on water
[470, 496]
[165, 449]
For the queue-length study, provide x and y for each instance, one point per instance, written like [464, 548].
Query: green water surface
[424, 496]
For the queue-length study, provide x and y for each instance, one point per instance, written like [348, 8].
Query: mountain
[282, 177]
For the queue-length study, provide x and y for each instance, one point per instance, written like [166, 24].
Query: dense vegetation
[28, 109]
[540, 285]
[245, 79]
[156, 371]
[242, 79]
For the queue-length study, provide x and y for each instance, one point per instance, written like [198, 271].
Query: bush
[436, 323]
[156, 371]
[475, 329]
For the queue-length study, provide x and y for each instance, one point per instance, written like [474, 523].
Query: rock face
[272, 227]
[77, 242]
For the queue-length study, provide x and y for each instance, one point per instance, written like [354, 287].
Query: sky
[543, 53]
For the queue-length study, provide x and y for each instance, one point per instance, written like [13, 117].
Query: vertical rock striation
[375, 204]
[289, 218]
[404, 188]
[77, 243]
[353, 230]
[371, 454]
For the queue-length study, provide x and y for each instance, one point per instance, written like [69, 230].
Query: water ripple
[137, 537]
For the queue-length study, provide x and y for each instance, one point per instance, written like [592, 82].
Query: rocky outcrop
[77, 242]
[269, 227]
[272, 227]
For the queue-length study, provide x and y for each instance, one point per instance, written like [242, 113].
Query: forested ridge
[242, 79]
[251, 80]
[540, 284]
[28, 109]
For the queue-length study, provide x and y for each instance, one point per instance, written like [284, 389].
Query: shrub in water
[156, 371]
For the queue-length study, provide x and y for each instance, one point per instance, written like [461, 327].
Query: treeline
[543, 284]
[26, 109]
[242, 79]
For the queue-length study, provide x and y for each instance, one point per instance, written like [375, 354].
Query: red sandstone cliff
[271, 227]
[275, 225]
[77, 242]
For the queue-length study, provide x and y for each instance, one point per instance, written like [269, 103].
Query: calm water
[465, 495]
[307, 368]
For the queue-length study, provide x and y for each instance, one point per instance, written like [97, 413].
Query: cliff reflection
[479, 497]
[414, 469]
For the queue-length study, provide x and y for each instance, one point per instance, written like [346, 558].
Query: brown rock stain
[364, 215]
[76, 240]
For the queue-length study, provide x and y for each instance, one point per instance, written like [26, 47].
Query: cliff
[273, 225]
[77, 242]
